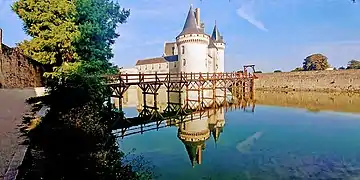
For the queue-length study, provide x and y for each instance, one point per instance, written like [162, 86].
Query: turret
[193, 133]
[220, 45]
[192, 44]
[216, 123]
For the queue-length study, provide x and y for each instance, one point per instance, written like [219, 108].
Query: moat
[309, 139]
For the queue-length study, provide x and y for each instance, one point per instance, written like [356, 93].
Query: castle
[193, 51]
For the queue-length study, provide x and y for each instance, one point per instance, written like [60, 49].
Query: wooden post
[200, 94]
[155, 89]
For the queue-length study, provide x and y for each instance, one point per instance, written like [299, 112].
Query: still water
[273, 142]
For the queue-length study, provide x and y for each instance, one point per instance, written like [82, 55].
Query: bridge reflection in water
[195, 126]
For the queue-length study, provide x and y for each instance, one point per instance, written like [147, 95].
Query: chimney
[0, 40]
[197, 16]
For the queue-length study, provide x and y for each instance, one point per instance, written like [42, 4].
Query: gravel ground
[12, 107]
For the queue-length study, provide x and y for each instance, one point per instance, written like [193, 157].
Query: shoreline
[330, 91]
[313, 101]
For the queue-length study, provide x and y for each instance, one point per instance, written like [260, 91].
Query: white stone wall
[156, 67]
[221, 57]
[193, 49]
[195, 53]
[129, 70]
[212, 60]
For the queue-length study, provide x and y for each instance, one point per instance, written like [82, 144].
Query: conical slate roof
[190, 26]
[216, 35]
[191, 149]
[211, 44]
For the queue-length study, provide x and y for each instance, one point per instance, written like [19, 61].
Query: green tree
[73, 140]
[341, 68]
[315, 62]
[97, 21]
[277, 71]
[51, 24]
[353, 64]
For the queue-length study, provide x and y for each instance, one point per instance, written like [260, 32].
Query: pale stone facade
[193, 51]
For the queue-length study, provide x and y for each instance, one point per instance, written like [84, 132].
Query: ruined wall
[324, 81]
[17, 70]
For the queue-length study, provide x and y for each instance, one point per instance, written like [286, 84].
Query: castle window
[184, 62]
[152, 66]
[159, 66]
[174, 64]
[167, 65]
[145, 67]
[173, 50]
[182, 50]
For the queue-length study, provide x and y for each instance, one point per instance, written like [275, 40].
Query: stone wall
[324, 81]
[18, 70]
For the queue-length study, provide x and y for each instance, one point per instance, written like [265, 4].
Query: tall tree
[73, 140]
[315, 62]
[51, 24]
[97, 21]
[353, 64]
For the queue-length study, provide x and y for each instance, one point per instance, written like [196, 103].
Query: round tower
[192, 45]
[220, 45]
[193, 132]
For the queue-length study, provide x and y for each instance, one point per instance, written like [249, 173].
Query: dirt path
[12, 107]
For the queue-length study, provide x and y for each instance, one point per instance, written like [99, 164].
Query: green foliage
[67, 31]
[341, 68]
[353, 64]
[73, 140]
[52, 28]
[277, 71]
[297, 69]
[258, 71]
[97, 21]
[75, 136]
[315, 62]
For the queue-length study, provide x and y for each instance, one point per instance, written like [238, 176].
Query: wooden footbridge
[196, 92]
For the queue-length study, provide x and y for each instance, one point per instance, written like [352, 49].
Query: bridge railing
[175, 77]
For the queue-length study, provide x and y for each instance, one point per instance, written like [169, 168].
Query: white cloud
[246, 11]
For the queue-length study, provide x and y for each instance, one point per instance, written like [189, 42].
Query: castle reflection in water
[194, 129]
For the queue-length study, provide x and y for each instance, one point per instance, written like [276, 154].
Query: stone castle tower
[198, 51]
[193, 51]
[197, 129]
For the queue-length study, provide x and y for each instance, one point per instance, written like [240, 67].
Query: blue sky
[272, 34]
